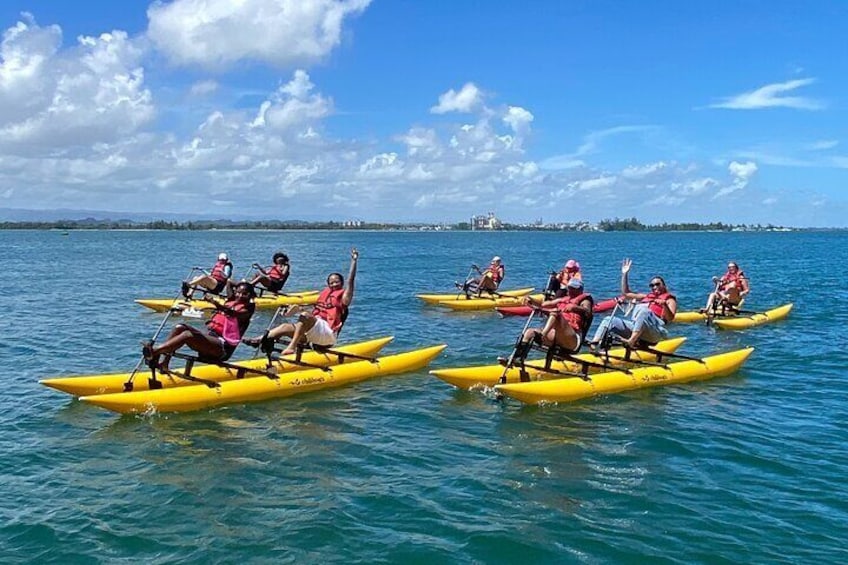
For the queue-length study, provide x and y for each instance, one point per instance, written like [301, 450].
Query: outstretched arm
[625, 285]
[347, 297]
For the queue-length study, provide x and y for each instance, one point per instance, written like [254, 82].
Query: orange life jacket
[276, 273]
[496, 271]
[729, 278]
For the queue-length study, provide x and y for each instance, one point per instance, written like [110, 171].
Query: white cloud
[742, 171]
[822, 145]
[518, 118]
[89, 93]
[641, 171]
[203, 87]
[219, 33]
[466, 100]
[741, 174]
[293, 104]
[770, 96]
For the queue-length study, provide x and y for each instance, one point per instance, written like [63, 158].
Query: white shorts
[321, 333]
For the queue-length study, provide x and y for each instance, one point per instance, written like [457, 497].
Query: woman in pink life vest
[323, 324]
[223, 332]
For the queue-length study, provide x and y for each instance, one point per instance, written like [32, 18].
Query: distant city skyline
[400, 111]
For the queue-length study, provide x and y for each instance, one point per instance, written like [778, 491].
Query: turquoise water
[748, 468]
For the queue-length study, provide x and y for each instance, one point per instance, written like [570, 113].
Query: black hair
[280, 254]
[338, 274]
[250, 290]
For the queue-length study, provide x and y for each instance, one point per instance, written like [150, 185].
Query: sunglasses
[654, 284]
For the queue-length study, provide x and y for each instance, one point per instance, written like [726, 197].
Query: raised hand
[625, 266]
[354, 254]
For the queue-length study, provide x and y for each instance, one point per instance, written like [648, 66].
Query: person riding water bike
[275, 277]
[731, 290]
[215, 282]
[223, 331]
[647, 320]
[558, 282]
[489, 280]
[567, 323]
[321, 326]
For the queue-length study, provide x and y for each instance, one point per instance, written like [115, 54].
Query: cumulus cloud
[293, 104]
[466, 100]
[518, 118]
[78, 127]
[92, 92]
[219, 33]
[741, 174]
[771, 96]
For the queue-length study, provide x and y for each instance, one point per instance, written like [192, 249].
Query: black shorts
[275, 285]
[219, 287]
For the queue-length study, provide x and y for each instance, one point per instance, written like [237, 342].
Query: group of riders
[320, 325]
[569, 309]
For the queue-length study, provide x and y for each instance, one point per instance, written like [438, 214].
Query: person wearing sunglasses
[731, 289]
[646, 321]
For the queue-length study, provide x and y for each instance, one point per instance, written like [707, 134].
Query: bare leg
[304, 323]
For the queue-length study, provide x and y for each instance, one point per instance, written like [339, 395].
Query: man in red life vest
[323, 324]
[569, 320]
[215, 281]
[731, 290]
[648, 318]
[277, 274]
[223, 332]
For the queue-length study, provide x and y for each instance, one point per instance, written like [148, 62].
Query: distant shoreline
[605, 226]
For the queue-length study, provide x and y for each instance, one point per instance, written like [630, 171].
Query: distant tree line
[607, 225]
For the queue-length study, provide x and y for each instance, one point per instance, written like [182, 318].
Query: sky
[410, 110]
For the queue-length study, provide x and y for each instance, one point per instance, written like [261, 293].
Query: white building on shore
[488, 222]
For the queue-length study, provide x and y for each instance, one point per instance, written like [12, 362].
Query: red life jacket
[731, 278]
[497, 272]
[229, 326]
[651, 298]
[331, 308]
[218, 270]
[276, 273]
[577, 320]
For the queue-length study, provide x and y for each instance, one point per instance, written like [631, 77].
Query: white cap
[223, 257]
[496, 258]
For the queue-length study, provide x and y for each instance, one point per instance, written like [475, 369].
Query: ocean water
[749, 468]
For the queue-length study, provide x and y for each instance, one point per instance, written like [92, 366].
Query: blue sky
[412, 110]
